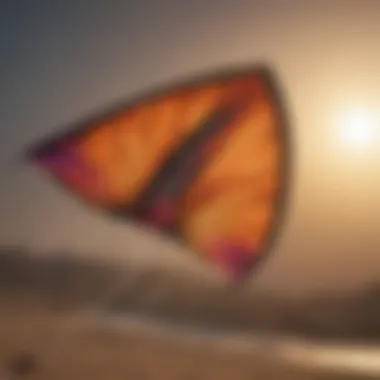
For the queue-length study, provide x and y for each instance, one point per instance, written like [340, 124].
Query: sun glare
[358, 129]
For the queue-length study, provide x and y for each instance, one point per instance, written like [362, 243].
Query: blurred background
[63, 60]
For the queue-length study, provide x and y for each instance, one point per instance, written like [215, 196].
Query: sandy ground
[64, 352]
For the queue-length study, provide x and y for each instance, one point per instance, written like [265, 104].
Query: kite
[204, 161]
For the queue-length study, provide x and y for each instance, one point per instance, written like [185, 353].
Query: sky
[63, 60]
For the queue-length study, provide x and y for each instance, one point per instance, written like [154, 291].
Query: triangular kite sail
[203, 160]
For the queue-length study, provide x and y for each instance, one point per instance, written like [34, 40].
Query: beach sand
[60, 351]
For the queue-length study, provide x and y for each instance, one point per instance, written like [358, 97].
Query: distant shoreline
[65, 283]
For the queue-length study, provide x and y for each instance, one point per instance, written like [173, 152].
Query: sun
[358, 129]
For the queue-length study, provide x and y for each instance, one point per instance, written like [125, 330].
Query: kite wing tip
[29, 155]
